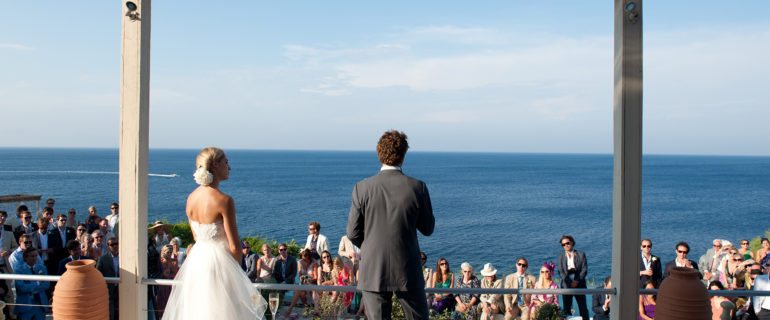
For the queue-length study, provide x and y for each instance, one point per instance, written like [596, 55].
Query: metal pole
[134, 149]
[627, 176]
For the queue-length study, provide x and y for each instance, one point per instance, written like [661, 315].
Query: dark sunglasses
[680, 251]
[326, 257]
[442, 264]
[523, 265]
[564, 244]
[745, 244]
[545, 271]
[646, 246]
[27, 242]
[114, 244]
[27, 218]
[113, 208]
[282, 249]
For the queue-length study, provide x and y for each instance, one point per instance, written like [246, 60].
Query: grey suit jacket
[385, 214]
[581, 269]
[251, 266]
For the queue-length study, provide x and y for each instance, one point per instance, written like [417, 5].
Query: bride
[211, 284]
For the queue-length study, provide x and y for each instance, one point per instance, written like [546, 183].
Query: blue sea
[489, 207]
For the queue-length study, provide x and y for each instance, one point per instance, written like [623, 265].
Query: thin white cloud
[15, 46]
[461, 35]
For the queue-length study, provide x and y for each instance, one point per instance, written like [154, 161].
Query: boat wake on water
[161, 175]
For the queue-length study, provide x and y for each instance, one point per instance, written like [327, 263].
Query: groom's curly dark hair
[392, 147]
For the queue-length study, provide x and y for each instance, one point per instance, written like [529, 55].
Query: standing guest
[649, 265]
[316, 242]
[349, 253]
[16, 259]
[544, 281]
[75, 254]
[443, 278]
[168, 270]
[98, 245]
[308, 269]
[491, 305]
[573, 268]
[50, 203]
[30, 292]
[647, 303]
[87, 246]
[26, 226]
[762, 252]
[92, 221]
[47, 214]
[601, 302]
[104, 228]
[466, 303]
[285, 268]
[682, 249]
[153, 272]
[57, 241]
[517, 305]
[80, 231]
[21, 208]
[177, 254]
[108, 265]
[161, 233]
[708, 263]
[721, 307]
[265, 265]
[72, 221]
[112, 218]
[7, 243]
[249, 261]
[386, 212]
[40, 241]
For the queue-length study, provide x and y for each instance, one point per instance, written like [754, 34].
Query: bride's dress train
[211, 284]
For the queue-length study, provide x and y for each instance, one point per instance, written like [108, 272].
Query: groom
[385, 213]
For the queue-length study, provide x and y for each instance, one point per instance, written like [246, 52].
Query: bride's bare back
[208, 205]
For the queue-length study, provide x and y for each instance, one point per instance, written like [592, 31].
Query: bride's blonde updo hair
[203, 163]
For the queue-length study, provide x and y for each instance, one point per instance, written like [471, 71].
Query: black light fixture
[131, 6]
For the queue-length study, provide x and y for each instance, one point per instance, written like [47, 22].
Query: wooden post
[134, 148]
[627, 176]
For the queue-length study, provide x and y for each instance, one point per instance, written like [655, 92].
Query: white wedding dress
[211, 284]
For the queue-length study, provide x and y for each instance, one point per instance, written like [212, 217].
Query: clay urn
[682, 296]
[81, 293]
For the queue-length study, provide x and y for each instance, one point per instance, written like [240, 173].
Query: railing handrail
[297, 287]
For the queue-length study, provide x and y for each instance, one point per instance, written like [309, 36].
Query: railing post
[627, 176]
[134, 149]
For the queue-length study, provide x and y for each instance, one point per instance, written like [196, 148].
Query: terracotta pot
[81, 293]
[683, 296]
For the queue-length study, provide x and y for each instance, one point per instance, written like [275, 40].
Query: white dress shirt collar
[387, 167]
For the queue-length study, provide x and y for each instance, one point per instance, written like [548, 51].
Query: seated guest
[601, 302]
[517, 305]
[647, 303]
[427, 275]
[762, 252]
[490, 305]
[308, 270]
[734, 271]
[721, 307]
[544, 281]
[342, 277]
[443, 278]
[16, 259]
[177, 254]
[682, 249]
[466, 303]
[745, 250]
[75, 253]
[323, 277]
[350, 254]
[249, 261]
[285, 268]
[265, 265]
[31, 292]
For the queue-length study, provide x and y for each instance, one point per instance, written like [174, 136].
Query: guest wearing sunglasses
[544, 281]
[72, 221]
[109, 264]
[285, 268]
[26, 226]
[517, 305]
[443, 278]
[682, 249]
[57, 240]
[745, 250]
[649, 265]
[16, 259]
[573, 268]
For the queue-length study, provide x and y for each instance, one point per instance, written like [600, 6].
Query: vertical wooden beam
[134, 149]
[627, 176]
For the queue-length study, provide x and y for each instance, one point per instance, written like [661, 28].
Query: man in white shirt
[316, 242]
[113, 217]
[761, 304]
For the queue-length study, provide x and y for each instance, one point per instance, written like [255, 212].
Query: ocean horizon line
[411, 151]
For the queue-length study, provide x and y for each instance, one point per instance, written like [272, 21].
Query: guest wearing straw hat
[492, 305]
[160, 234]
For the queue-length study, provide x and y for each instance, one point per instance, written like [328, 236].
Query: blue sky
[501, 76]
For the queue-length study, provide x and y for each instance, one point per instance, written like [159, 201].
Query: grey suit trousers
[378, 305]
